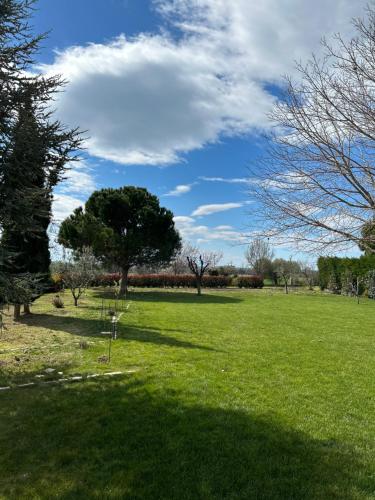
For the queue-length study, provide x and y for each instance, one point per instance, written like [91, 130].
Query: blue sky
[175, 94]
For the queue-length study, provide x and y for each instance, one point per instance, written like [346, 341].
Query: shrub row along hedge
[248, 281]
[179, 281]
[339, 275]
[176, 281]
[171, 281]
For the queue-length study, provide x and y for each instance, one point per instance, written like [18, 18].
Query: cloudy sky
[174, 95]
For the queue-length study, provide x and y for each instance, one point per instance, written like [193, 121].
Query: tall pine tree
[24, 173]
[34, 151]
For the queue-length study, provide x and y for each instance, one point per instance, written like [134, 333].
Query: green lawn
[233, 395]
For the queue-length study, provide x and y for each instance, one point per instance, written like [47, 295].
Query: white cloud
[235, 180]
[262, 40]
[78, 179]
[215, 208]
[79, 182]
[182, 219]
[180, 189]
[201, 233]
[152, 98]
[63, 205]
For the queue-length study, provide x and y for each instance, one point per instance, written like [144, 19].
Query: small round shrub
[58, 302]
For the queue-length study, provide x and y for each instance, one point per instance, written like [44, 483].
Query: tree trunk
[75, 301]
[124, 281]
[17, 312]
[26, 309]
[199, 286]
[286, 286]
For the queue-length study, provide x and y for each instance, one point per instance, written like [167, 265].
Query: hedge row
[176, 281]
[339, 275]
[249, 282]
[179, 281]
[170, 281]
[107, 279]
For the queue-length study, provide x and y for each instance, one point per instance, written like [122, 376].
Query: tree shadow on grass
[153, 336]
[13, 372]
[93, 328]
[172, 296]
[116, 439]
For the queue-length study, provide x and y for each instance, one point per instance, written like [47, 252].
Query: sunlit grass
[236, 394]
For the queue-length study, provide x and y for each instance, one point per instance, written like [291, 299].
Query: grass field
[232, 395]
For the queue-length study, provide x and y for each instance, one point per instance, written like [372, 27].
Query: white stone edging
[75, 378]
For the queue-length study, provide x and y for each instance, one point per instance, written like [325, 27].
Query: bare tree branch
[316, 184]
[199, 262]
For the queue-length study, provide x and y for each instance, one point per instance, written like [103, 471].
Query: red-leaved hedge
[176, 281]
[107, 279]
[250, 281]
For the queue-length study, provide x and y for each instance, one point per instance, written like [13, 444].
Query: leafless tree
[78, 275]
[199, 262]
[285, 270]
[259, 255]
[309, 274]
[179, 264]
[316, 184]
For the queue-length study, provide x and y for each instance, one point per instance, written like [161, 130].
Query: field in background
[235, 394]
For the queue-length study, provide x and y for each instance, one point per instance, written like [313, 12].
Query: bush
[57, 281]
[334, 283]
[250, 282]
[371, 284]
[176, 281]
[107, 279]
[217, 281]
[58, 302]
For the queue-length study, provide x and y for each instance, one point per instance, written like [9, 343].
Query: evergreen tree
[34, 149]
[125, 227]
[18, 46]
[24, 173]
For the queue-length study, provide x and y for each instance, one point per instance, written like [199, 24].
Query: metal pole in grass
[112, 335]
[114, 323]
[105, 312]
[109, 335]
[115, 320]
[357, 290]
[109, 348]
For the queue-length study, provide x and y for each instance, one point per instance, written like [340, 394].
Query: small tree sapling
[199, 262]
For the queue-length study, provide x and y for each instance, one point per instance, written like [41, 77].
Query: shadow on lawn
[113, 439]
[92, 328]
[14, 372]
[173, 296]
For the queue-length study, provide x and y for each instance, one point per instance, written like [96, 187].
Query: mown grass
[236, 395]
